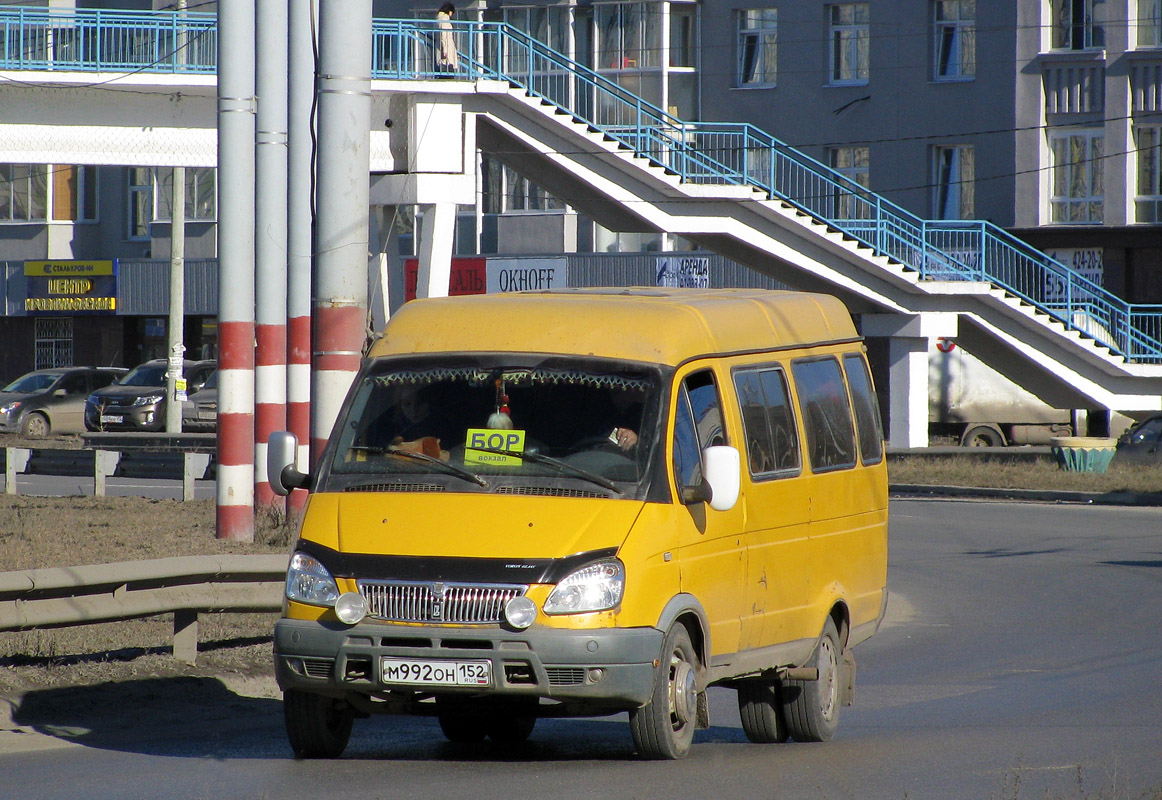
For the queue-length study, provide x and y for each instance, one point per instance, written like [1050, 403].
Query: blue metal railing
[697, 152]
[107, 41]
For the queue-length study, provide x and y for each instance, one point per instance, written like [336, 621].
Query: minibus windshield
[493, 422]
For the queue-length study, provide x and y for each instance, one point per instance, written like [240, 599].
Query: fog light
[350, 608]
[520, 612]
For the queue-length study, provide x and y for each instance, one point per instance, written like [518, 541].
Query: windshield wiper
[444, 465]
[563, 466]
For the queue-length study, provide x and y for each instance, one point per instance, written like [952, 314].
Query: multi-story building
[1043, 116]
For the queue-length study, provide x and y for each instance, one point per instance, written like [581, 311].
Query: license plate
[436, 673]
[112, 418]
[207, 414]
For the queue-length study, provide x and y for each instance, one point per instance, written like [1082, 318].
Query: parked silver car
[137, 401]
[200, 411]
[52, 400]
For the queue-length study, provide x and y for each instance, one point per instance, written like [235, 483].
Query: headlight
[593, 588]
[149, 399]
[9, 408]
[308, 581]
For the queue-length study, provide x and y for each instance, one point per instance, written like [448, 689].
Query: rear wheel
[761, 711]
[512, 723]
[982, 436]
[317, 726]
[812, 707]
[35, 426]
[664, 727]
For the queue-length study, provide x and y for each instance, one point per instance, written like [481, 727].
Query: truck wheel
[35, 426]
[317, 726]
[982, 436]
[664, 727]
[812, 707]
[761, 711]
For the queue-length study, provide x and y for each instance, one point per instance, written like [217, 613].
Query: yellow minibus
[587, 502]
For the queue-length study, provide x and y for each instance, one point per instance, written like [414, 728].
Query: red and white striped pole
[236, 108]
[300, 179]
[344, 166]
[271, 240]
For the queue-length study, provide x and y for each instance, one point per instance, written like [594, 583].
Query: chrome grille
[455, 603]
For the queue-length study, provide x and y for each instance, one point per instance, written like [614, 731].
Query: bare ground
[234, 649]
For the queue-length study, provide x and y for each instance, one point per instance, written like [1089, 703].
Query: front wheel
[317, 726]
[35, 426]
[664, 727]
[812, 707]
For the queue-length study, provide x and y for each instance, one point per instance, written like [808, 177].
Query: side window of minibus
[867, 411]
[697, 425]
[771, 442]
[826, 413]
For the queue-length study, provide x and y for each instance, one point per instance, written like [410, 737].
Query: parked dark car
[1141, 444]
[137, 401]
[52, 400]
[200, 411]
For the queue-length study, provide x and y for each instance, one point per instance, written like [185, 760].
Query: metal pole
[300, 182]
[341, 266]
[236, 124]
[175, 385]
[270, 214]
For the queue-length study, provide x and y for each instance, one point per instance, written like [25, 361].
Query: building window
[140, 197]
[1149, 23]
[1077, 191]
[23, 192]
[54, 342]
[954, 171]
[682, 35]
[757, 47]
[629, 35]
[849, 36]
[852, 202]
[954, 34]
[1079, 24]
[201, 194]
[74, 193]
[1148, 199]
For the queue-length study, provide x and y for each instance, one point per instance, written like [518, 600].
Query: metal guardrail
[699, 152]
[187, 466]
[185, 587]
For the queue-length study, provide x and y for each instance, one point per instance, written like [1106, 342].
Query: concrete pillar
[437, 232]
[908, 346]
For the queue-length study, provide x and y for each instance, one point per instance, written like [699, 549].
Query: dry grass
[998, 471]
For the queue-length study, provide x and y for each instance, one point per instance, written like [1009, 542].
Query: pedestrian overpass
[729, 188]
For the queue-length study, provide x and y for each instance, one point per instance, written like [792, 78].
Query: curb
[1030, 495]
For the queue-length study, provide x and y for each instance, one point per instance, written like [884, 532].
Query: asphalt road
[1021, 659]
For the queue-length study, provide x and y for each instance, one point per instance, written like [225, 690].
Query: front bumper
[604, 668]
[133, 418]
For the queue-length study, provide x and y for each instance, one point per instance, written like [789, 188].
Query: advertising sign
[1089, 262]
[70, 287]
[526, 274]
[467, 277]
[683, 272]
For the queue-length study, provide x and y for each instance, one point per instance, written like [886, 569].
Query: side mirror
[281, 455]
[721, 479]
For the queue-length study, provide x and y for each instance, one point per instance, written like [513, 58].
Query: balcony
[1145, 68]
[1074, 81]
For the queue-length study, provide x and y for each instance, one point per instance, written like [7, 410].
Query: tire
[761, 710]
[462, 728]
[512, 723]
[812, 707]
[317, 726]
[664, 727]
[982, 436]
[35, 426]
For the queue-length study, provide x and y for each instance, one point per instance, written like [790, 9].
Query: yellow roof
[657, 325]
